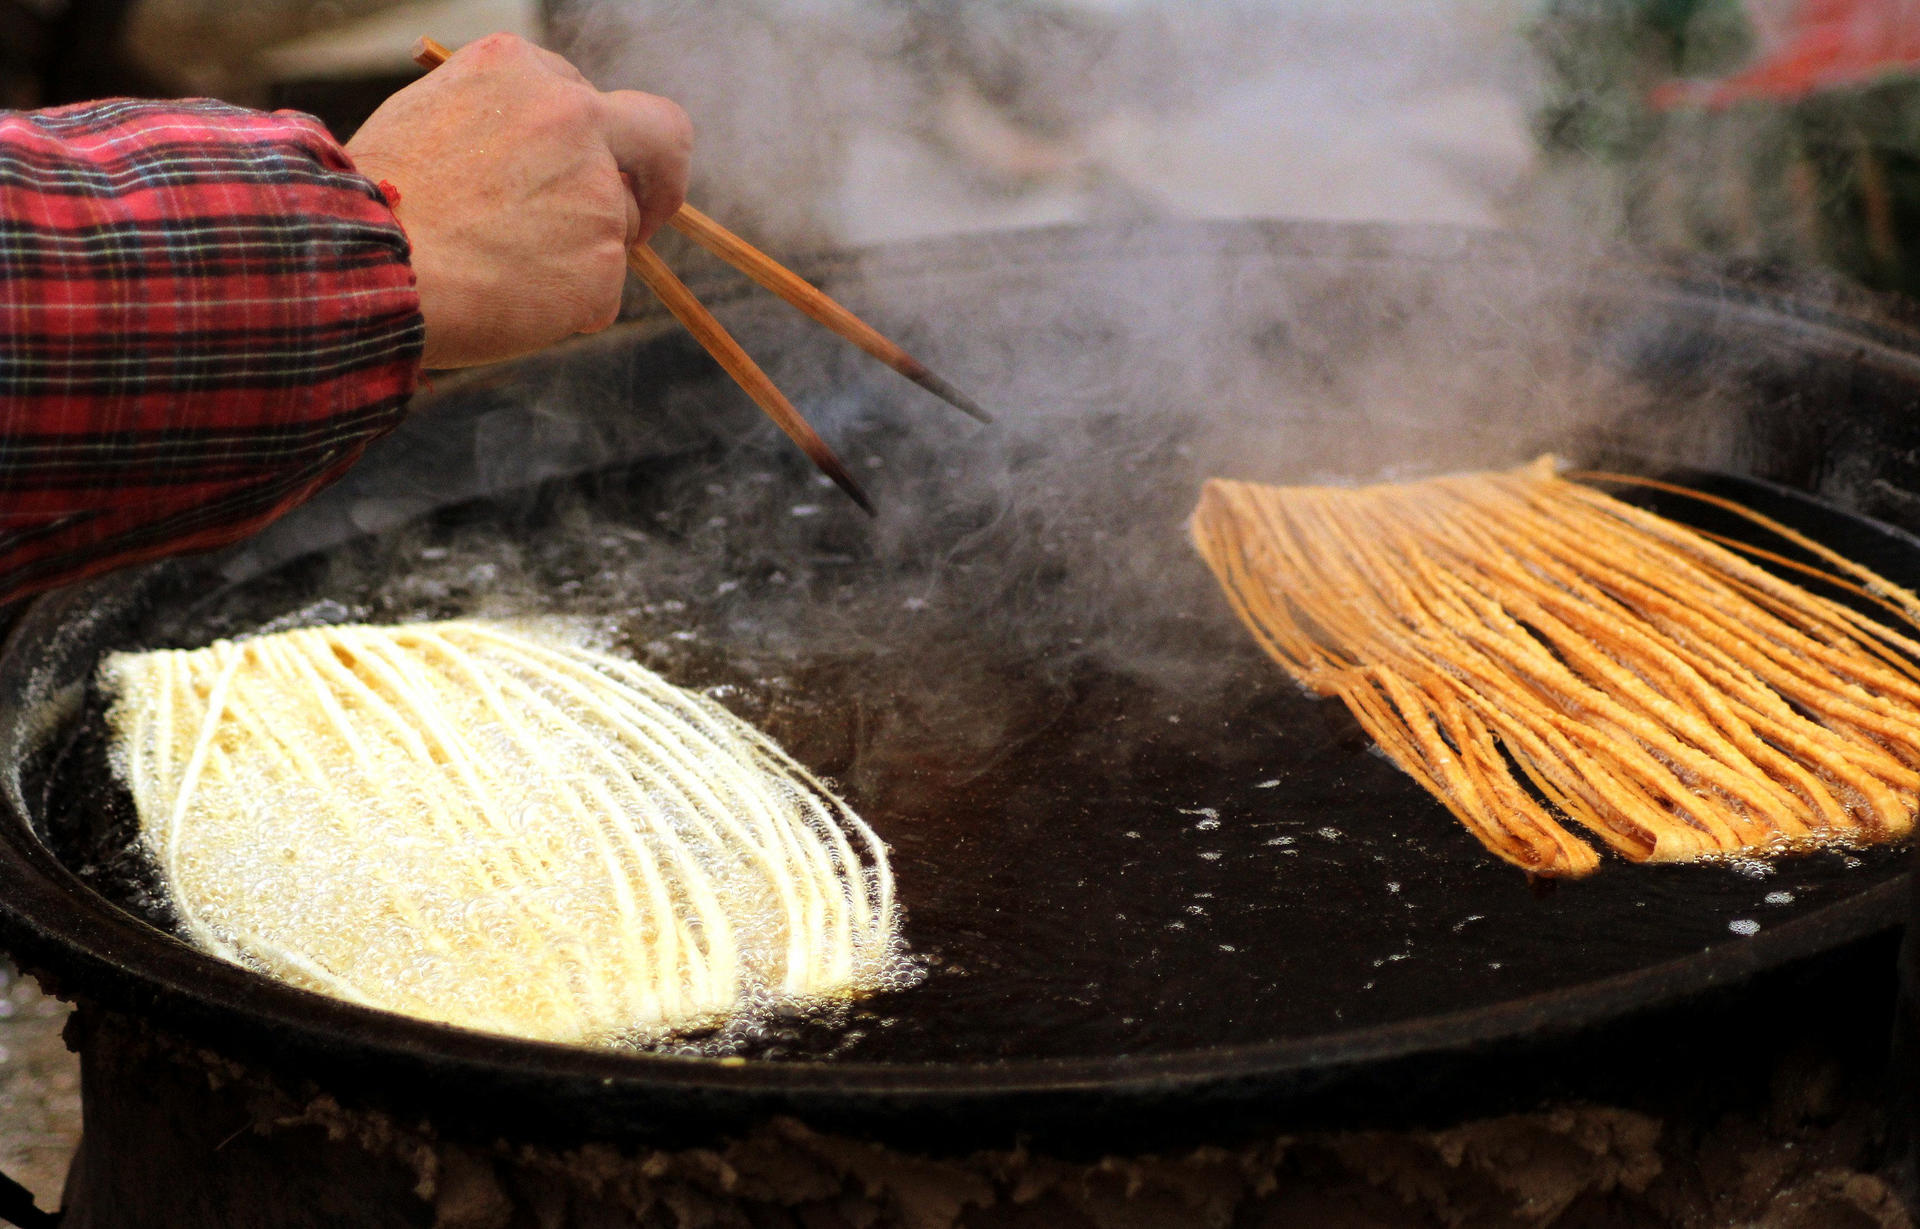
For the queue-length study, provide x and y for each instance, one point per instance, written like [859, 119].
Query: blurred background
[1783, 131]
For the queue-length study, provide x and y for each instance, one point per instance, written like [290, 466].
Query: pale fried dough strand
[1649, 683]
[495, 826]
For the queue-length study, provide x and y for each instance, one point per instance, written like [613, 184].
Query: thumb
[651, 140]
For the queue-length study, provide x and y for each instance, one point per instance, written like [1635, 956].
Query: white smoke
[824, 122]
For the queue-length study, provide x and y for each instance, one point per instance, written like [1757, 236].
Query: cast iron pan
[1156, 893]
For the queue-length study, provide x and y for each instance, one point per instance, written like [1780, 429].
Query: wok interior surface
[1118, 828]
[1092, 863]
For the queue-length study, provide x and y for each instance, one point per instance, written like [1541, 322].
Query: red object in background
[1830, 43]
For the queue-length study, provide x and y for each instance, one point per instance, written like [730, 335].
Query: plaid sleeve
[205, 316]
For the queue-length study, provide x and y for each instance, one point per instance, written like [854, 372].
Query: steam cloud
[1127, 363]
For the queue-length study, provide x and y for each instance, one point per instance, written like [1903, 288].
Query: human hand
[521, 188]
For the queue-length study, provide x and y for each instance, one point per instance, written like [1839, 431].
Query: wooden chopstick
[815, 303]
[649, 268]
[430, 52]
[796, 290]
[713, 336]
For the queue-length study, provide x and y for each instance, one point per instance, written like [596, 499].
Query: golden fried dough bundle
[495, 827]
[1648, 683]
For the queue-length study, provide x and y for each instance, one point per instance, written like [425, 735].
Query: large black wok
[1157, 894]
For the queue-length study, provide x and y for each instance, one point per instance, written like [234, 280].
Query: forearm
[205, 315]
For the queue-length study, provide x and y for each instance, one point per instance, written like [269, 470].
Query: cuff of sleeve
[369, 279]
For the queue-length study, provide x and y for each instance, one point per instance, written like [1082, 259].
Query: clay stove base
[180, 1138]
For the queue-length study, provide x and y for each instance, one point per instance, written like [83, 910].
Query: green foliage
[1604, 55]
[1832, 179]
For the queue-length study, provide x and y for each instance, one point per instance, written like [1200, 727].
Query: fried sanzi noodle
[496, 827]
[1646, 682]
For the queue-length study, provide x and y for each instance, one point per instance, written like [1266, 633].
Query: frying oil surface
[1115, 827]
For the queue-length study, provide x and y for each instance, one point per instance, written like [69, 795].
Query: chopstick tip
[830, 465]
[846, 483]
[949, 394]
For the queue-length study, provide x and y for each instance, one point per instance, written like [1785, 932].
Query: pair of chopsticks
[710, 333]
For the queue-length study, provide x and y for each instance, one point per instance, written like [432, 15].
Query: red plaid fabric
[205, 316]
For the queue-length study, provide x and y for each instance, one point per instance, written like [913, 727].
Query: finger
[604, 311]
[631, 197]
[599, 290]
[651, 140]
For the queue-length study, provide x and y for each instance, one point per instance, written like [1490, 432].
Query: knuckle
[575, 108]
[498, 44]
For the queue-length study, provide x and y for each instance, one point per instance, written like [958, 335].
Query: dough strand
[494, 826]
[1651, 685]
